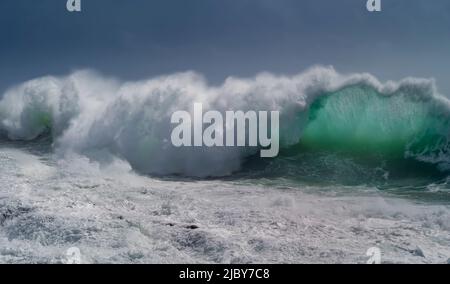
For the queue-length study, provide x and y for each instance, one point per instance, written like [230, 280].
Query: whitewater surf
[87, 160]
[322, 113]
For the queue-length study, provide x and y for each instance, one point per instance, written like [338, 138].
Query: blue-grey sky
[135, 39]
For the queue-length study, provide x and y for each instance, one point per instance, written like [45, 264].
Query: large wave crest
[320, 110]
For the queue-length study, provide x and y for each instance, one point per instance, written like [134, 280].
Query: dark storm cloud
[141, 38]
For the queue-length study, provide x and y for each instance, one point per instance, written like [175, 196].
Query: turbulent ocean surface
[86, 161]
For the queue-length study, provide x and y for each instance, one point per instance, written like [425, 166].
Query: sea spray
[101, 118]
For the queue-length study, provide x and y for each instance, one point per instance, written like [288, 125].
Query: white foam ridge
[104, 118]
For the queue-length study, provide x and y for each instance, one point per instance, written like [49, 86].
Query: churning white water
[86, 162]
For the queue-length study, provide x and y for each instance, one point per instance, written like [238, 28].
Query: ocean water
[86, 162]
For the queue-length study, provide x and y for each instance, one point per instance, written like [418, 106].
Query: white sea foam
[103, 118]
[116, 216]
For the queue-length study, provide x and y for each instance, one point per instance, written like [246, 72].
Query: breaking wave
[324, 116]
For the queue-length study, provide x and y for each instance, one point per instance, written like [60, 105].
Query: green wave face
[357, 136]
[360, 120]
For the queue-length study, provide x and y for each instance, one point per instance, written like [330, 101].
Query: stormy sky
[136, 39]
